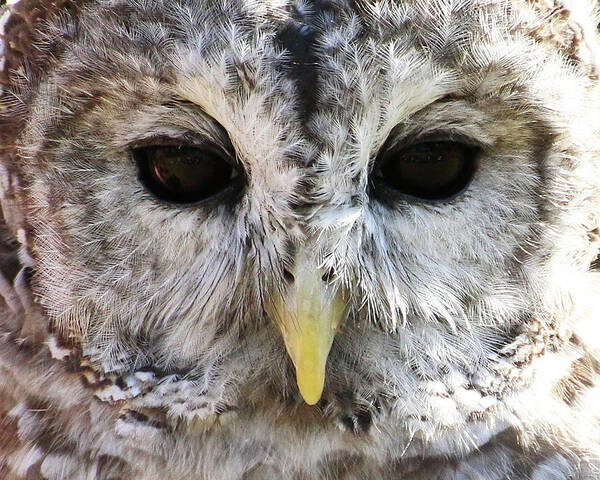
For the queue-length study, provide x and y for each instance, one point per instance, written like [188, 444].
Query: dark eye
[184, 174]
[433, 171]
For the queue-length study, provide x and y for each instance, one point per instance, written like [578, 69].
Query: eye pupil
[184, 174]
[434, 171]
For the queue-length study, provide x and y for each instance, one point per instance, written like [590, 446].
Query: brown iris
[434, 171]
[184, 174]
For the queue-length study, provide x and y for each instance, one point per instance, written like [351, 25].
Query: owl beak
[309, 317]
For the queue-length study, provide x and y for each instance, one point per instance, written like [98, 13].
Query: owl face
[364, 206]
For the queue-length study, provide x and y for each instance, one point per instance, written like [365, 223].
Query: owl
[299, 239]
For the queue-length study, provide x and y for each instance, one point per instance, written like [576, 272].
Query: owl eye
[184, 174]
[430, 171]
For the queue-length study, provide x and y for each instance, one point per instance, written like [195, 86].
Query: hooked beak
[308, 317]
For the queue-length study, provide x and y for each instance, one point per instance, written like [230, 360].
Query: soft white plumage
[150, 331]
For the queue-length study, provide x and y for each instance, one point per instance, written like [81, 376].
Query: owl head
[388, 208]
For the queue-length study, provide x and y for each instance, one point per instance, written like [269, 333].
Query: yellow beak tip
[310, 386]
[311, 398]
[309, 316]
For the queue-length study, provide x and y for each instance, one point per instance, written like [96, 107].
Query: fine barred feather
[143, 337]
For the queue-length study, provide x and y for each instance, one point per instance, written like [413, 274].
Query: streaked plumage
[141, 338]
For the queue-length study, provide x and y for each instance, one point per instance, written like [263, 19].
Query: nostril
[329, 275]
[289, 276]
